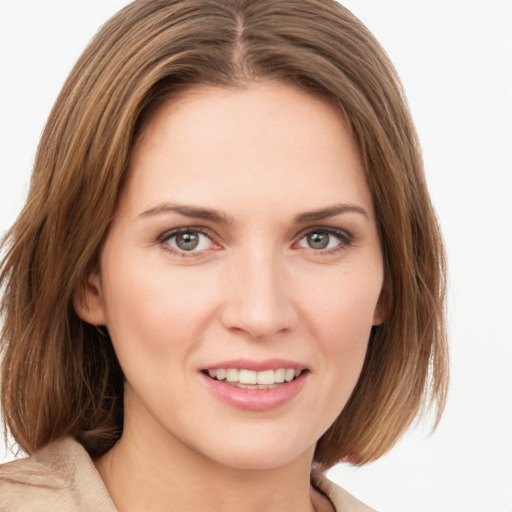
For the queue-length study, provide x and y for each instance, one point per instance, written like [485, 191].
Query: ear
[88, 300]
[380, 312]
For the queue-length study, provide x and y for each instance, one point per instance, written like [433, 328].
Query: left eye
[321, 240]
[189, 240]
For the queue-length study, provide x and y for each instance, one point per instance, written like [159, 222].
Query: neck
[142, 475]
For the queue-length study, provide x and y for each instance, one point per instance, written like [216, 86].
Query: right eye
[187, 241]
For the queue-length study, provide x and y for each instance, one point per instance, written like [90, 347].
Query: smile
[256, 385]
[251, 379]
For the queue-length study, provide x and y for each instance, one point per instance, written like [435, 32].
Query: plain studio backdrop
[455, 60]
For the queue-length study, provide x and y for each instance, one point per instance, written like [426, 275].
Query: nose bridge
[260, 297]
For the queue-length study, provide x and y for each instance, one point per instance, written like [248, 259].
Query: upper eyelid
[164, 241]
[329, 229]
[176, 231]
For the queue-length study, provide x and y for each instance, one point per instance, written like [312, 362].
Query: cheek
[151, 310]
[342, 310]
[340, 318]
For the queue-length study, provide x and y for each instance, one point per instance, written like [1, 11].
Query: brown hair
[60, 375]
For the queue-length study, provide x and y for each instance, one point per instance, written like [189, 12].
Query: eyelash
[165, 238]
[344, 238]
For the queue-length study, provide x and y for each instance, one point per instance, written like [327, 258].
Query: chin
[252, 453]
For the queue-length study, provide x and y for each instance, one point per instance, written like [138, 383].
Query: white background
[455, 59]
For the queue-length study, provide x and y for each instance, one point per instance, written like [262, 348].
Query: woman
[228, 275]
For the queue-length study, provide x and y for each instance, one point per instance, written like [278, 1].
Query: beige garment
[63, 478]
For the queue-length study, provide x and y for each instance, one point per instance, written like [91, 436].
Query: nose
[260, 297]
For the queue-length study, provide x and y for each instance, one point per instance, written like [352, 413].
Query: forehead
[266, 141]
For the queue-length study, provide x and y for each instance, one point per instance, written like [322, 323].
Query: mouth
[251, 379]
[256, 385]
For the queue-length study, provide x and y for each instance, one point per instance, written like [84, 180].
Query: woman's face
[244, 253]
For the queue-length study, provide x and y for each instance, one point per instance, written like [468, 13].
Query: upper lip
[259, 366]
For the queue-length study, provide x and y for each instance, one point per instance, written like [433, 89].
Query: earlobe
[88, 300]
[379, 314]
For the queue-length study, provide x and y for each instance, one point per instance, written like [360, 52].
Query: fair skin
[276, 265]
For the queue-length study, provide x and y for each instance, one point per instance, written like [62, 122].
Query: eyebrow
[198, 212]
[330, 211]
[194, 212]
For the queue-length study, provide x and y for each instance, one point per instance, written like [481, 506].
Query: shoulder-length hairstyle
[60, 375]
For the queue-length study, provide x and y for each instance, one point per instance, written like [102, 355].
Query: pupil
[318, 240]
[187, 241]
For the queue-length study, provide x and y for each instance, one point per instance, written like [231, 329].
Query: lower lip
[256, 399]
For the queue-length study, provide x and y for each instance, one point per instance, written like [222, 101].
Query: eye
[187, 240]
[325, 239]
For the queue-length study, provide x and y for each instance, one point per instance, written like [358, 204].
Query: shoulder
[60, 476]
[342, 500]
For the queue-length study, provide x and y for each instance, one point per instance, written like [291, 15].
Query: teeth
[266, 377]
[279, 375]
[232, 375]
[254, 379]
[254, 386]
[247, 377]
[289, 374]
